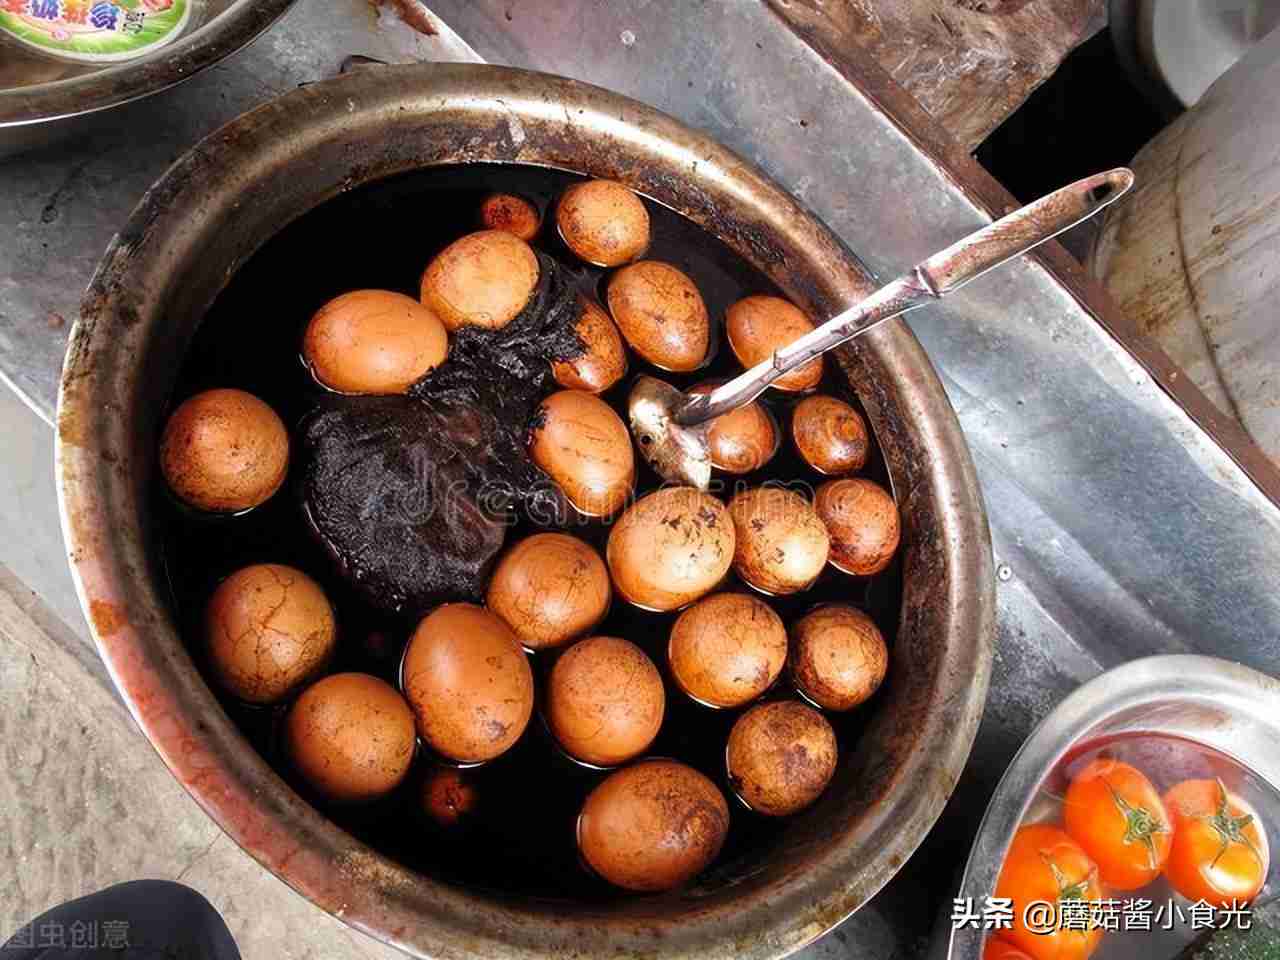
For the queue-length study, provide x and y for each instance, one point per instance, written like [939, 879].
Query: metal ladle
[671, 426]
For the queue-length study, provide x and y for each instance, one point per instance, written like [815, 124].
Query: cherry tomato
[997, 949]
[1115, 813]
[1044, 870]
[1219, 851]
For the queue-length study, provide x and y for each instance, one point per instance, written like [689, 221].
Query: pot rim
[478, 113]
[129, 80]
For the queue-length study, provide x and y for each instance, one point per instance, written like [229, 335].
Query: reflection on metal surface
[1224, 706]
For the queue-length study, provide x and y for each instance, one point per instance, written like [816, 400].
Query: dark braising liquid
[521, 839]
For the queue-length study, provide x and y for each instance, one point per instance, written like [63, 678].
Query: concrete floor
[84, 801]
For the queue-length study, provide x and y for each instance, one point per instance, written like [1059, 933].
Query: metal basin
[43, 99]
[219, 204]
[1225, 706]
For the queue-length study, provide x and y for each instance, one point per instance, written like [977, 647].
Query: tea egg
[604, 359]
[780, 757]
[514, 214]
[350, 736]
[468, 682]
[661, 315]
[756, 326]
[727, 649]
[671, 547]
[449, 796]
[652, 826]
[830, 435]
[482, 280]
[584, 447]
[741, 440]
[373, 342]
[603, 222]
[838, 656]
[268, 629]
[550, 588]
[781, 545]
[224, 451]
[604, 701]
[863, 522]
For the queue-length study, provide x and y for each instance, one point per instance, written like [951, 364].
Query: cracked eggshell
[838, 656]
[652, 826]
[224, 451]
[605, 701]
[350, 736]
[481, 280]
[582, 444]
[373, 342]
[758, 325]
[830, 435]
[661, 314]
[864, 524]
[742, 440]
[727, 649]
[550, 588]
[468, 682]
[604, 359]
[670, 548]
[603, 222]
[268, 630]
[782, 546]
[511, 213]
[780, 757]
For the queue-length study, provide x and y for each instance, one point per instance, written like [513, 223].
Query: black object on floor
[139, 920]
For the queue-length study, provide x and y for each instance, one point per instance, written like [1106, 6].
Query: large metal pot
[214, 208]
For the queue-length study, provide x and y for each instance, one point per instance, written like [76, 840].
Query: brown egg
[781, 544]
[830, 435]
[448, 795]
[661, 315]
[516, 215]
[780, 757]
[585, 448]
[269, 629]
[652, 826]
[224, 451]
[727, 649]
[482, 280]
[604, 701]
[863, 522]
[757, 326]
[373, 342]
[838, 656]
[670, 548]
[550, 588]
[350, 736]
[469, 683]
[603, 222]
[741, 440]
[604, 361]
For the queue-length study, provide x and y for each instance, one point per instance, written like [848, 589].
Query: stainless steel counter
[1121, 526]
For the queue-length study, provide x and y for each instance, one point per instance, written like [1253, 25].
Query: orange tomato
[997, 949]
[1046, 867]
[1115, 813]
[1219, 851]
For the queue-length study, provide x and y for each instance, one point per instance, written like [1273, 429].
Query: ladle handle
[966, 259]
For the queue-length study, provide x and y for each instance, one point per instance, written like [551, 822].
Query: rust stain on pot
[107, 617]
